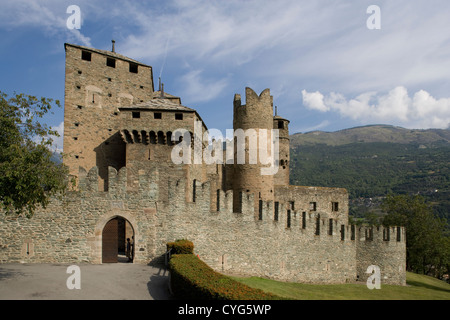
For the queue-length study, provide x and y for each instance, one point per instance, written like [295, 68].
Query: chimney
[113, 43]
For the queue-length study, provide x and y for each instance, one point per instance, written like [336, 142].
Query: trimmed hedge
[181, 247]
[193, 279]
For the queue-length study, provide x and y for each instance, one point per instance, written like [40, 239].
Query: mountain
[373, 161]
[372, 133]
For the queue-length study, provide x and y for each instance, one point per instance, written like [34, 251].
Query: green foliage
[181, 246]
[419, 287]
[427, 249]
[28, 176]
[193, 279]
[376, 169]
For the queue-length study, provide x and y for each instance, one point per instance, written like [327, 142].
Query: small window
[342, 232]
[110, 62]
[141, 87]
[133, 68]
[76, 124]
[80, 107]
[335, 206]
[109, 79]
[353, 232]
[280, 125]
[178, 116]
[157, 115]
[330, 227]
[136, 114]
[85, 55]
[312, 206]
[80, 72]
[75, 138]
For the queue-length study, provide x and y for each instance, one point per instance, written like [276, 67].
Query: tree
[28, 176]
[426, 243]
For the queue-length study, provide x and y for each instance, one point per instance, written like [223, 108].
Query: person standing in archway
[132, 249]
[129, 250]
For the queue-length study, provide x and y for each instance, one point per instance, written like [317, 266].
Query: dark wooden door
[110, 242]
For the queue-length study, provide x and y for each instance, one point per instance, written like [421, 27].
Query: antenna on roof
[276, 111]
[113, 43]
[159, 84]
[162, 90]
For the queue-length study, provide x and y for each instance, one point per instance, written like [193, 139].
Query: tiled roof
[159, 104]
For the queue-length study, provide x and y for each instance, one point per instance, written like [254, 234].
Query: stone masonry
[119, 137]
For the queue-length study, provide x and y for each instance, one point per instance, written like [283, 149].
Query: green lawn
[419, 287]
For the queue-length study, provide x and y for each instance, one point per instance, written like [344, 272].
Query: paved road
[115, 281]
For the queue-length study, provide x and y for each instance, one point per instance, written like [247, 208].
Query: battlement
[252, 99]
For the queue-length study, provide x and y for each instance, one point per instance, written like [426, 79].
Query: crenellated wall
[294, 245]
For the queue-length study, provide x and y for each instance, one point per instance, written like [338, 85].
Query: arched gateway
[114, 241]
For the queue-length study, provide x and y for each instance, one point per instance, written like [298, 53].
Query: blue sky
[325, 68]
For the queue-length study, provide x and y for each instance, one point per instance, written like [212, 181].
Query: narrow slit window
[218, 200]
[260, 209]
[275, 214]
[194, 190]
[330, 227]
[318, 225]
[386, 234]
[288, 222]
[303, 220]
[352, 237]
[342, 232]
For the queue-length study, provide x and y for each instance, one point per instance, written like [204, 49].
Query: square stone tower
[97, 83]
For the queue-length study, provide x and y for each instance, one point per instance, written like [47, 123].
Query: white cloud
[198, 89]
[395, 107]
[314, 100]
[58, 141]
[50, 16]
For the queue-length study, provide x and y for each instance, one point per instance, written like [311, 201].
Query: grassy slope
[418, 287]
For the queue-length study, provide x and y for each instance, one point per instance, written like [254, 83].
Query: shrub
[191, 278]
[181, 247]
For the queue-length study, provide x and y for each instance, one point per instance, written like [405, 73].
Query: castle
[119, 137]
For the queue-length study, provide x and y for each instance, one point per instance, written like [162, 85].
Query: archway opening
[117, 241]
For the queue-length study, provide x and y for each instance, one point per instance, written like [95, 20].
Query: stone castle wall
[248, 243]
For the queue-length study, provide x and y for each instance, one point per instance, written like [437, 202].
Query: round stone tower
[254, 121]
[282, 176]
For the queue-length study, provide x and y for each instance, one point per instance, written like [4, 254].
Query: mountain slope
[372, 133]
[390, 160]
